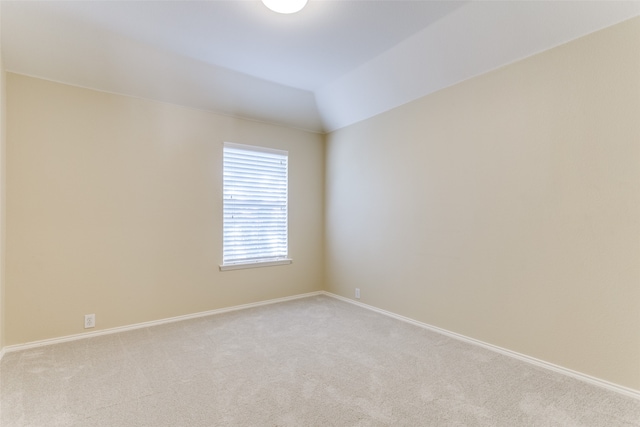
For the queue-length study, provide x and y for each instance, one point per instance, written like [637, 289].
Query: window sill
[241, 266]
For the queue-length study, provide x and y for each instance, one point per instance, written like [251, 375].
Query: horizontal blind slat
[254, 205]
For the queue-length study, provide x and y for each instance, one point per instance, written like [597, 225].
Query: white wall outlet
[89, 321]
[358, 293]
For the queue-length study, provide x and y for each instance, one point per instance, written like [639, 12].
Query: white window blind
[255, 183]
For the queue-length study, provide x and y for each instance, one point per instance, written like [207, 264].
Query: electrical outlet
[358, 293]
[89, 321]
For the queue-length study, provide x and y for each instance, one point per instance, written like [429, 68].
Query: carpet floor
[315, 361]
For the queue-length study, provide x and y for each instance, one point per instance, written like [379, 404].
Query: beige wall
[2, 201]
[505, 208]
[2, 188]
[114, 208]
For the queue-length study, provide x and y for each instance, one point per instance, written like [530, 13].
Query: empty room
[319, 213]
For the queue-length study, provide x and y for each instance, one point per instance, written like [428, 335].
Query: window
[255, 182]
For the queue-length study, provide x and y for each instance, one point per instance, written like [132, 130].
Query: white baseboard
[532, 360]
[523, 357]
[84, 335]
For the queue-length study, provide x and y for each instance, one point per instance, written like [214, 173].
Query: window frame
[265, 262]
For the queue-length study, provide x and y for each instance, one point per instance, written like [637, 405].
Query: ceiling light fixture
[285, 6]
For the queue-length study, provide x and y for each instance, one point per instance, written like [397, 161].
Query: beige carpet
[312, 362]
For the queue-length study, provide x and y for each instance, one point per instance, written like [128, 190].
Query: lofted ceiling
[334, 63]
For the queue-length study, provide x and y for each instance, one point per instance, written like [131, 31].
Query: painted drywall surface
[2, 187]
[2, 199]
[114, 207]
[505, 208]
[3, 209]
[455, 48]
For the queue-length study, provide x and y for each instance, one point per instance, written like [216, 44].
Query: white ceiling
[331, 65]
